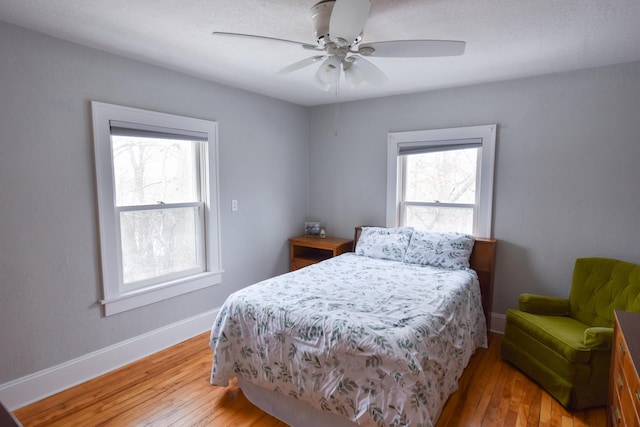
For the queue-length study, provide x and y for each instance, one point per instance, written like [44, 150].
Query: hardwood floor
[171, 388]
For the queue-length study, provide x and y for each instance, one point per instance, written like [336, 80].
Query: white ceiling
[505, 38]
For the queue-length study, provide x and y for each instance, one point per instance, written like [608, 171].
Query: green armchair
[565, 344]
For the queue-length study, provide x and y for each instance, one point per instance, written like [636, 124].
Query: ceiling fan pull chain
[336, 118]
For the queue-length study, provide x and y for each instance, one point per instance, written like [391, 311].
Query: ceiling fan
[338, 27]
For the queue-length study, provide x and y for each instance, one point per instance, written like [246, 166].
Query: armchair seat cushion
[563, 334]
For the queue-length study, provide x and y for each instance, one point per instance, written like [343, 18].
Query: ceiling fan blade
[362, 70]
[347, 20]
[254, 37]
[299, 64]
[415, 48]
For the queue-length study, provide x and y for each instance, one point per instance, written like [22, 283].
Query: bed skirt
[289, 410]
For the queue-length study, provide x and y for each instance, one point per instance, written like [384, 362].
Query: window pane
[436, 218]
[149, 171]
[158, 242]
[443, 176]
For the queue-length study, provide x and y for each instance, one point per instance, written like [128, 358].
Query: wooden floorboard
[171, 388]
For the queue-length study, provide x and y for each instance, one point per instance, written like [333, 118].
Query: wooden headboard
[483, 261]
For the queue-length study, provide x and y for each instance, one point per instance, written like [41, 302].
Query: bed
[375, 337]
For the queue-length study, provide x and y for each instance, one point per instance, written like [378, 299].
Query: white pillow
[384, 243]
[445, 250]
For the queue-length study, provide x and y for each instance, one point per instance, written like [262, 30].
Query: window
[158, 205]
[441, 179]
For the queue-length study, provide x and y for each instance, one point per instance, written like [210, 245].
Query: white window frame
[440, 140]
[115, 298]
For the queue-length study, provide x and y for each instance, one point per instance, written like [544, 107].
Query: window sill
[142, 297]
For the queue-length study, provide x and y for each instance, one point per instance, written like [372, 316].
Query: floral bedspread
[382, 343]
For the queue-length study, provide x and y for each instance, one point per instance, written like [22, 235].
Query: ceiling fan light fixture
[353, 74]
[329, 71]
[372, 74]
[320, 84]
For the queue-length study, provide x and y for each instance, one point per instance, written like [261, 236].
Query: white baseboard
[497, 323]
[23, 391]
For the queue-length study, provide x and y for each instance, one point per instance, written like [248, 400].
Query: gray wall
[566, 182]
[567, 177]
[49, 251]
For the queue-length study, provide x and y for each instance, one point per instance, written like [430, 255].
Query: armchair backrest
[601, 285]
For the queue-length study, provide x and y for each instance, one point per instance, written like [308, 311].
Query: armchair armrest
[598, 337]
[541, 304]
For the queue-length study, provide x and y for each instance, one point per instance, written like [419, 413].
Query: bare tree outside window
[440, 190]
[152, 176]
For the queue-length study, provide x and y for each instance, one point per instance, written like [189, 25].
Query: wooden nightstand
[307, 250]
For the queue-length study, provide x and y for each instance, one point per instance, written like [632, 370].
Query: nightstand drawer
[300, 263]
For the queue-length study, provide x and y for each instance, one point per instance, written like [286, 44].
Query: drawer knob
[622, 349]
[638, 395]
[620, 383]
[618, 416]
